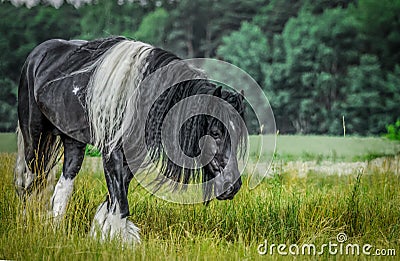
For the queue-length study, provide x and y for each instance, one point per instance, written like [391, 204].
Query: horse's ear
[241, 96]
[218, 92]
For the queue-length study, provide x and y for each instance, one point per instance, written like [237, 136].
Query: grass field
[8, 142]
[285, 209]
[296, 147]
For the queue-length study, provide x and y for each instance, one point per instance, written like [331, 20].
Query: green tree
[197, 27]
[22, 29]
[319, 6]
[367, 105]
[273, 16]
[246, 48]
[223, 17]
[108, 18]
[152, 28]
[185, 29]
[309, 64]
[379, 23]
[8, 108]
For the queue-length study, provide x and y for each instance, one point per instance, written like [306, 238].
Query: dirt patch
[385, 164]
[302, 168]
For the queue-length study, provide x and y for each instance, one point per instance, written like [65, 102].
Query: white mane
[117, 75]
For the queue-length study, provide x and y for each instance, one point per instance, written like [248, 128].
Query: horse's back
[45, 60]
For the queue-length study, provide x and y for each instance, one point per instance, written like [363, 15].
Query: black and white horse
[73, 93]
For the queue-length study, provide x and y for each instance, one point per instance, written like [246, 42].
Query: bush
[92, 151]
[393, 130]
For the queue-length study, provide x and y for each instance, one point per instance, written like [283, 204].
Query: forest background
[319, 62]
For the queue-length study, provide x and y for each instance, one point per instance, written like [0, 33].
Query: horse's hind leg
[111, 217]
[74, 152]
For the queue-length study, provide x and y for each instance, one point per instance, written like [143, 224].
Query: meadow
[287, 209]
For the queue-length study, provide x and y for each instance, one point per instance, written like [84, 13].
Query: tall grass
[284, 209]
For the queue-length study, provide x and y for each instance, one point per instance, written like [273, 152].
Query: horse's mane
[116, 77]
[113, 93]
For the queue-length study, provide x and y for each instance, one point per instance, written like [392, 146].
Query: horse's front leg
[111, 216]
[74, 152]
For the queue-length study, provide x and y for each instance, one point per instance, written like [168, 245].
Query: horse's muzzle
[230, 189]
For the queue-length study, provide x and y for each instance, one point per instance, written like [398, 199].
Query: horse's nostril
[227, 187]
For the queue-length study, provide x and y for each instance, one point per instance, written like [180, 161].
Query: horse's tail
[21, 173]
[31, 174]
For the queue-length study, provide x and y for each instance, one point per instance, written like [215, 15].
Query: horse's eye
[216, 134]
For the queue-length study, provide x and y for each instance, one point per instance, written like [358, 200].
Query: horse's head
[193, 124]
[228, 136]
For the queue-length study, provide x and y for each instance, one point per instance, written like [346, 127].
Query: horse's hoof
[22, 181]
[108, 226]
[62, 194]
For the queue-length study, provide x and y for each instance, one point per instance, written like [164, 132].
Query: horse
[73, 93]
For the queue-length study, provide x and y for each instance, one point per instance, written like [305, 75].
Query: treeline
[318, 61]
